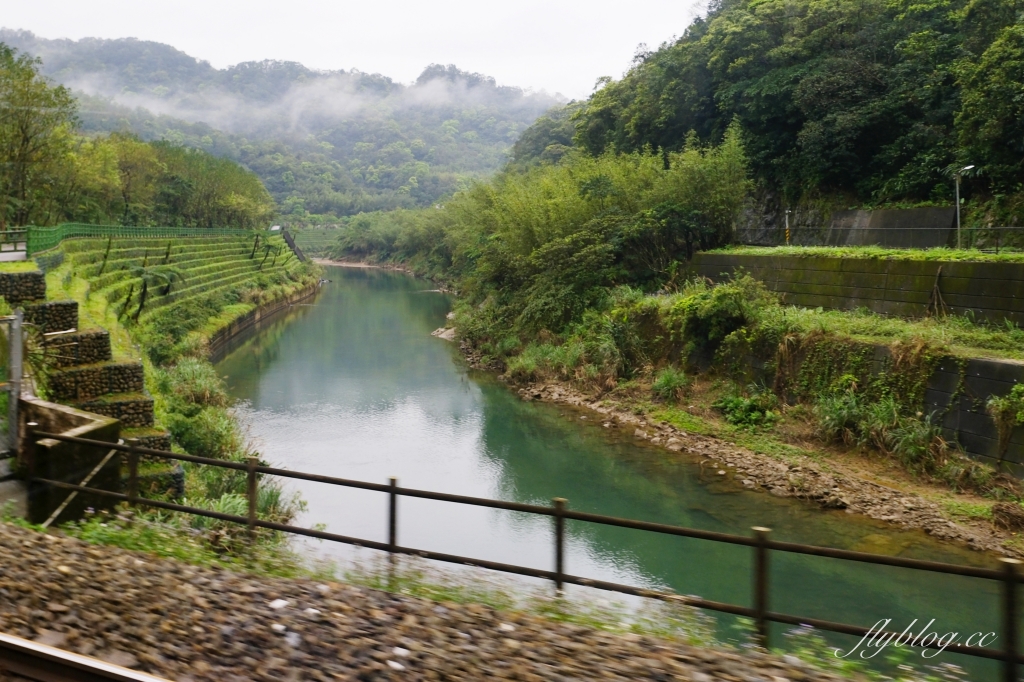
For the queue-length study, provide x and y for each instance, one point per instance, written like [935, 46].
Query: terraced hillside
[164, 295]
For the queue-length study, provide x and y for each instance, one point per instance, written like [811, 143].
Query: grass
[876, 253]
[969, 510]
[957, 334]
[18, 266]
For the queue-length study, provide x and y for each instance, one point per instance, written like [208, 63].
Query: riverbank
[218, 625]
[831, 483]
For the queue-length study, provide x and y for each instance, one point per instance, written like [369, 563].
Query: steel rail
[45, 663]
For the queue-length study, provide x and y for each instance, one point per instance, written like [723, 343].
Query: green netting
[45, 238]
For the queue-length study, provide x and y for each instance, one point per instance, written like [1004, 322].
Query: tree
[35, 121]
[139, 169]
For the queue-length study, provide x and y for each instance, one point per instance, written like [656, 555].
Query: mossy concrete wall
[220, 340]
[963, 406]
[992, 292]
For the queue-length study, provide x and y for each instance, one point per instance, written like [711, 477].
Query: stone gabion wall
[20, 287]
[82, 383]
[132, 411]
[54, 316]
[164, 483]
[81, 348]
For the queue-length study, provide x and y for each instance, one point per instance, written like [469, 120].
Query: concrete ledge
[69, 462]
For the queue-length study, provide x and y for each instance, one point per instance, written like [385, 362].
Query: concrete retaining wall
[69, 462]
[966, 419]
[220, 340]
[991, 292]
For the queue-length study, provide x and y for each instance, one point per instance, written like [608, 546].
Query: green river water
[351, 384]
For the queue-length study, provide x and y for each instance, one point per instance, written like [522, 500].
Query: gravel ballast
[183, 623]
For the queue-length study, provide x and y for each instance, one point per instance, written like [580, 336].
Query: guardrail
[45, 238]
[760, 542]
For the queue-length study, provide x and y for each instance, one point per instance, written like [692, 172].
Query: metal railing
[13, 239]
[992, 239]
[45, 238]
[1008, 575]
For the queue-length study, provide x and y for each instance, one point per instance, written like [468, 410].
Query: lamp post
[957, 176]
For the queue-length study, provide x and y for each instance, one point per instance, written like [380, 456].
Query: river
[352, 384]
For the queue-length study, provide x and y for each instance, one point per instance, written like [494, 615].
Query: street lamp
[957, 176]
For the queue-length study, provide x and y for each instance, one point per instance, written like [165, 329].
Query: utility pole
[957, 176]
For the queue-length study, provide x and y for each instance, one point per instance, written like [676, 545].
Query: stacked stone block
[21, 287]
[79, 348]
[52, 316]
[133, 409]
[91, 381]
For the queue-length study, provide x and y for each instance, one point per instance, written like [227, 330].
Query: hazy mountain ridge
[324, 142]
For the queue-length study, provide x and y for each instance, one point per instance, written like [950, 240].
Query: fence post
[1010, 618]
[392, 516]
[560, 504]
[250, 491]
[761, 583]
[133, 471]
[15, 372]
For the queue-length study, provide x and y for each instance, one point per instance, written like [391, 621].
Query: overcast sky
[556, 45]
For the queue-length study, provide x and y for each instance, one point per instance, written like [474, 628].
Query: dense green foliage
[325, 143]
[537, 248]
[863, 100]
[49, 173]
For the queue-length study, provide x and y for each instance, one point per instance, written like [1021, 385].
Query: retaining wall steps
[133, 409]
[148, 437]
[79, 348]
[84, 382]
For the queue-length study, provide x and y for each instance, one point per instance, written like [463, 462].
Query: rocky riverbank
[189, 624]
[800, 477]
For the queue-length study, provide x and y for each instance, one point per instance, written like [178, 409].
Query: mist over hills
[326, 143]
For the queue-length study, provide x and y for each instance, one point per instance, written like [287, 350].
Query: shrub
[209, 433]
[195, 382]
[756, 411]
[705, 315]
[670, 384]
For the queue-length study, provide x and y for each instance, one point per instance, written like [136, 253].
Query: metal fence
[13, 240]
[45, 238]
[993, 239]
[760, 543]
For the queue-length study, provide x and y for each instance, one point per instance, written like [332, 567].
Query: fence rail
[982, 238]
[761, 543]
[41, 239]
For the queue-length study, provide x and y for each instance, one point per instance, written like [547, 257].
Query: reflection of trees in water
[368, 343]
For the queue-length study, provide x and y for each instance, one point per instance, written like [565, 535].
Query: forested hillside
[51, 173]
[865, 101]
[325, 143]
